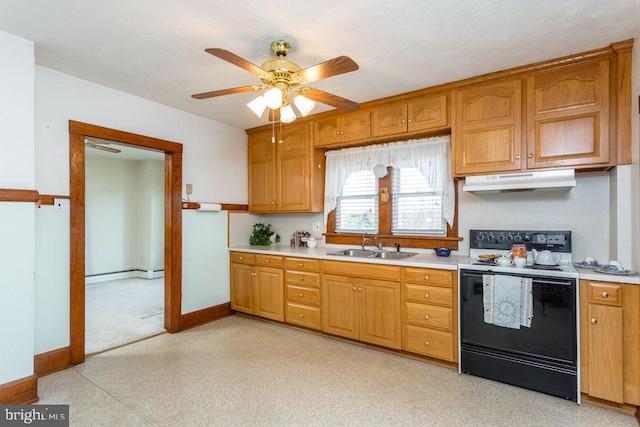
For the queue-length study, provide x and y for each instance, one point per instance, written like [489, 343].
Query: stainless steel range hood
[522, 181]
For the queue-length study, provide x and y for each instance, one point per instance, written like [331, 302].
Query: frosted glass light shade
[273, 98]
[303, 104]
[258, 105]
[286, 114]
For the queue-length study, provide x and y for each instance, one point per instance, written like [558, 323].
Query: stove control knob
[517, 238]
[501, 238]
[491, 238]
[480, 237]
[509, 238]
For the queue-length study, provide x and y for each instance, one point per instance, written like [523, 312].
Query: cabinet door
[242, 288]
[380, 312]
[326, 132]
[269, 295]
[294, 180]
[355, 126]
[428, 113]
[488, 131]
[606, 352]
[389, 120]
[339, 306]
[568, 117]
[262, 173]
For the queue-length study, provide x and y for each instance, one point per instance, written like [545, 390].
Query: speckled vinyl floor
[241, 371]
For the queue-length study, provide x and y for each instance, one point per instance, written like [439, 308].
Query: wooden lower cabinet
[302, 280]
[610, 341]
[362, 308]
[257, 285]
[430, 319]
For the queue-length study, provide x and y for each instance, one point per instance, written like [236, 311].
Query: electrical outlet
[189, 189]
[315, 226]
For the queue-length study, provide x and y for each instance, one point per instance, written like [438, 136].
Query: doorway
[78, 132]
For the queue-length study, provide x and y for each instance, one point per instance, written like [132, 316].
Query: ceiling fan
[283, 79]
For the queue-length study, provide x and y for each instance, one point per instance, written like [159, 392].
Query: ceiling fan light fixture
[303, 104]
[273, 98]
[258, 105]
[286, 114]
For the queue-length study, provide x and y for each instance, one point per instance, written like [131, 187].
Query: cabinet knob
[427, 343]
[404, 121]
[299, 264]
[517, 157]
[301, 315]
[359, 289]
[426, 296]
[300, 279]
[426, 277]
[267, 261]
[594, 321]
[530, 155]
[410, 121]
[254, 274]
[355, 289]
[300, 295]
[605, 294]
[241, 258]
[426, 317]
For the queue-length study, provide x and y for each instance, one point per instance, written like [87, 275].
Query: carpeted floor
[123, 311]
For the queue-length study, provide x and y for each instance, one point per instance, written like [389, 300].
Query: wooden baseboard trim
[625, 408]
[206, 315]
[19, 392]
[52, 361]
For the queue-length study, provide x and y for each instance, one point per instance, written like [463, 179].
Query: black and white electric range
[520, 325]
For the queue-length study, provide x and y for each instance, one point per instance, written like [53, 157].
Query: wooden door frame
[172, 225]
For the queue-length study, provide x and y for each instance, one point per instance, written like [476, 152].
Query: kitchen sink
[364, 253]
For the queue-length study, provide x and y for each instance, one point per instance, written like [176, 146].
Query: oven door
[534, 357]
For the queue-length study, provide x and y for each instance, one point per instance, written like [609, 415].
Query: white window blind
[416, 208]
[357, 207]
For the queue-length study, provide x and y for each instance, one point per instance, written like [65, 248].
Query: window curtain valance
[430, 156]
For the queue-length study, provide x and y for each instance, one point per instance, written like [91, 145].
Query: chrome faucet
[378, 245]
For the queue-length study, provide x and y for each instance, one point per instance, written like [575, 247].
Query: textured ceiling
[155, 48]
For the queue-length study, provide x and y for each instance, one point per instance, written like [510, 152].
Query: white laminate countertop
[422, 260]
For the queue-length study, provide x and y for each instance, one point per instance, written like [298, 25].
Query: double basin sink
[365, 253]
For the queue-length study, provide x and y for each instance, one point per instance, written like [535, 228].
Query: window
[416, 209]
[421, 207]
[357, 208]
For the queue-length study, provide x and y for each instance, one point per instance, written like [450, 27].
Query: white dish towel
[507, 300]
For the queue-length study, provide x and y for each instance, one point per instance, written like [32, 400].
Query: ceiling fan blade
[236, 60]
[330, 68]
[226, 92]
[329, 99]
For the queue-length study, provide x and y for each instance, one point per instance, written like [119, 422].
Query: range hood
[522, 181]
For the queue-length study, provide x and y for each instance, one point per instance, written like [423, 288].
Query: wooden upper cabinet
[342, 129]
[487, 128]
[418, 115]
[285, 175]
[568, 116]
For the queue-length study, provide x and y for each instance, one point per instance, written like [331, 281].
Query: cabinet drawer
[429, 316]
[303, 315]
[302, 278]
[428, 276]
[302, 264]
[428, 294]
[269, 261]
[429, 342]
[243, 258]
[303, 295]
[605, 293]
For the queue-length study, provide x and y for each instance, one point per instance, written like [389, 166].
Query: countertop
[422, 260]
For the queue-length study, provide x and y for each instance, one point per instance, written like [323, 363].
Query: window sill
[389, 240]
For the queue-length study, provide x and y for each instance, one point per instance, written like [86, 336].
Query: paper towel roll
[209, 207]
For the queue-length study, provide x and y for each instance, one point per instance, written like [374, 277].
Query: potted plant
[263, 236]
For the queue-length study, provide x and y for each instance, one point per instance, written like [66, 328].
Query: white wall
[214, 161]
[17, 220]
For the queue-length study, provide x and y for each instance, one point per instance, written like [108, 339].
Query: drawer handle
[241, 258]
[267, 261]
[359, 289]
[427, 343]
[426, 317]
[355, 289]
[301, 315]
[605, 294]
[426, 296]
[594, 321]
[299, 264]
[300, 295]
[426, 277]
[301, 278]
